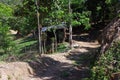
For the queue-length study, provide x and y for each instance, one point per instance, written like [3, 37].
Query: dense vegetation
[108, 66]
[25, 16]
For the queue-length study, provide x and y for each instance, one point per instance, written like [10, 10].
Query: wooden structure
[51, 36]
[58, 30]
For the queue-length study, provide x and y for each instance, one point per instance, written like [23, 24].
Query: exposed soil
[71, 65]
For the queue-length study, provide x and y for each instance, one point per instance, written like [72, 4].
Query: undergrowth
[62, 47]
[21, 50]
[107, 65]
[25, 49]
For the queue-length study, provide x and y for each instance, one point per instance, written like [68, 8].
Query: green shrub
[62, 47]
[108, 63]
[6, 43]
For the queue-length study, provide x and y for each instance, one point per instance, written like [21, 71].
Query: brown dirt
[71, 65]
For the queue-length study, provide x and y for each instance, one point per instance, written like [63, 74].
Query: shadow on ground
[47, 68]
[85, 59]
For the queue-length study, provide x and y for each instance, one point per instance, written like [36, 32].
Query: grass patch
[21, 45]
[62, 47]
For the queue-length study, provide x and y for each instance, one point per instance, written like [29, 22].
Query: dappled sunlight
[13, 32]
[57, 39]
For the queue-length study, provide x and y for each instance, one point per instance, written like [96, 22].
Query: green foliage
[82, 19]
[53, 12]
[5, 13]
[24, 19]
[108, 63]
[5, 39]
[111, 1]
[60, 13]
[113, 7]
[102, 10]
[56, 14]
[21, 24]
[19, 50]
[11, 2]
[80, 14]
[5, 10]
[119, 15]
[62, 47]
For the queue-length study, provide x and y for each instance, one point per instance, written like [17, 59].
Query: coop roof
[60, 26]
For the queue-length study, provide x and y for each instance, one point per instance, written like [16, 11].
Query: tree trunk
[70, 26]
[64, 35]
[39, 31]
[55, 40]
[109, 35]
[44, 46]
[39, 41]
[53, 44]
[70, 36]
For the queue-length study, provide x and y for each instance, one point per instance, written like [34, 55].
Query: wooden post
[64, 35]
[70, 26]
[55, 40]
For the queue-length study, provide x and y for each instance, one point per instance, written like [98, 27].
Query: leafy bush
[6, 43]
[5, 39]
[62, 47]
[5, 10]
[108, 64]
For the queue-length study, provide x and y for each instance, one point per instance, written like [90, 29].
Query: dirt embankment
[16, 71]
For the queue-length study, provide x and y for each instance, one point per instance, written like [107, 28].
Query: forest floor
[71, 65]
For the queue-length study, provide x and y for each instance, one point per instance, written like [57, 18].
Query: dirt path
[73, 65]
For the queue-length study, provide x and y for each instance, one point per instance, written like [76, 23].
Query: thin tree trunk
[44, 46]
[39, 31]
[64, 35]
[39, 41]
[55, 41]
[70, 26]
[70, 36]
[44, 38]
[53, 45]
